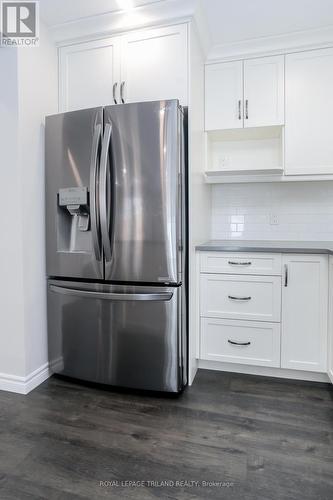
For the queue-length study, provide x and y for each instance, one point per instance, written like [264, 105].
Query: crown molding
[116, 22]
[279, 44]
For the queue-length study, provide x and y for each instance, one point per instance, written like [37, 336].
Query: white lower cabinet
[304, 312]
[249, 342]
[275, 318]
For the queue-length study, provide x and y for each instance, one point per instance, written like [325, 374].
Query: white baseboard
[264, 371]
[23, 385]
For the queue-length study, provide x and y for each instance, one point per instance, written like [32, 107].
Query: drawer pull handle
[231, 297]
[233, 263]
[238, 343]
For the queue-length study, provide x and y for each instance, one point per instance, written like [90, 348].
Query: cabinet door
[224, 95]
[154, 65]
[309, 110]
[304, 312]
[87, 74]
[330, 323]
[264, 91]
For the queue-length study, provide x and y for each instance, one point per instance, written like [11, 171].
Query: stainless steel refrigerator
[116, 245]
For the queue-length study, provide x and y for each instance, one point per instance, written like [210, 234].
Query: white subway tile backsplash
[243, 211]
[237, 219]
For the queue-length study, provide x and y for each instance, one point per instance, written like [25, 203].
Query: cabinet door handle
[233, 263]
[233, 342]
[122, 92]
[239, 110]
[114, 88]
[231, 297]
[286, 275]
[246, 109]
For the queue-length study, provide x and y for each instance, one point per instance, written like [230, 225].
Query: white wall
[11, 290]
[37, 98]
[242, 211]
[27, 94]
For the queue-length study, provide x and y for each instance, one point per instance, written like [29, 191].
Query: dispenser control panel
[75, 201]
[73, 196]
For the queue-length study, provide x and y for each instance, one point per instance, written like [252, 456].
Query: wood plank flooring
[248, 437]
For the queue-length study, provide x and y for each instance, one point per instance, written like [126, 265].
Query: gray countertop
[266, 246]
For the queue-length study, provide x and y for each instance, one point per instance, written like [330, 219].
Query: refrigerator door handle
[181, 200]
[161, 296]
[105, 193]
[94, 211]
[122, 92]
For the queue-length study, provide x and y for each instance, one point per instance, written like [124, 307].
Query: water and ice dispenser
[73, 220]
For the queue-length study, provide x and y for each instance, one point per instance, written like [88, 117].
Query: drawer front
[240, 297]
[241, 263]
[246, 342]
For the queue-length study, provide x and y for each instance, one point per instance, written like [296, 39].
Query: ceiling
[228, 21]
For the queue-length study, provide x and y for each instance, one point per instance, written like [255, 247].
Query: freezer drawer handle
[94, 211]
[104, 193]
[163, 296]
[233, 342]
[231, 297]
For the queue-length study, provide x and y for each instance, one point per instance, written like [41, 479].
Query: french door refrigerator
[116, 245]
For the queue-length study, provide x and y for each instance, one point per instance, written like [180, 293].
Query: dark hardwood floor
[263, 438]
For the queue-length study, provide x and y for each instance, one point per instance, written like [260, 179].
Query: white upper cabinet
[264, 91]
[146, 65]
[245, 93]
[304, 312]
[309, 108]
[224, 96]
[88, 72]
[154, 64]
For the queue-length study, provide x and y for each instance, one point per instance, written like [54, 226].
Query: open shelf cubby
[244, 151]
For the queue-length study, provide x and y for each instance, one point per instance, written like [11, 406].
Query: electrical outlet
[273, 219]
[224, 162]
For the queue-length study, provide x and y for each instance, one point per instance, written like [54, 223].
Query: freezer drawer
[125, 336]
